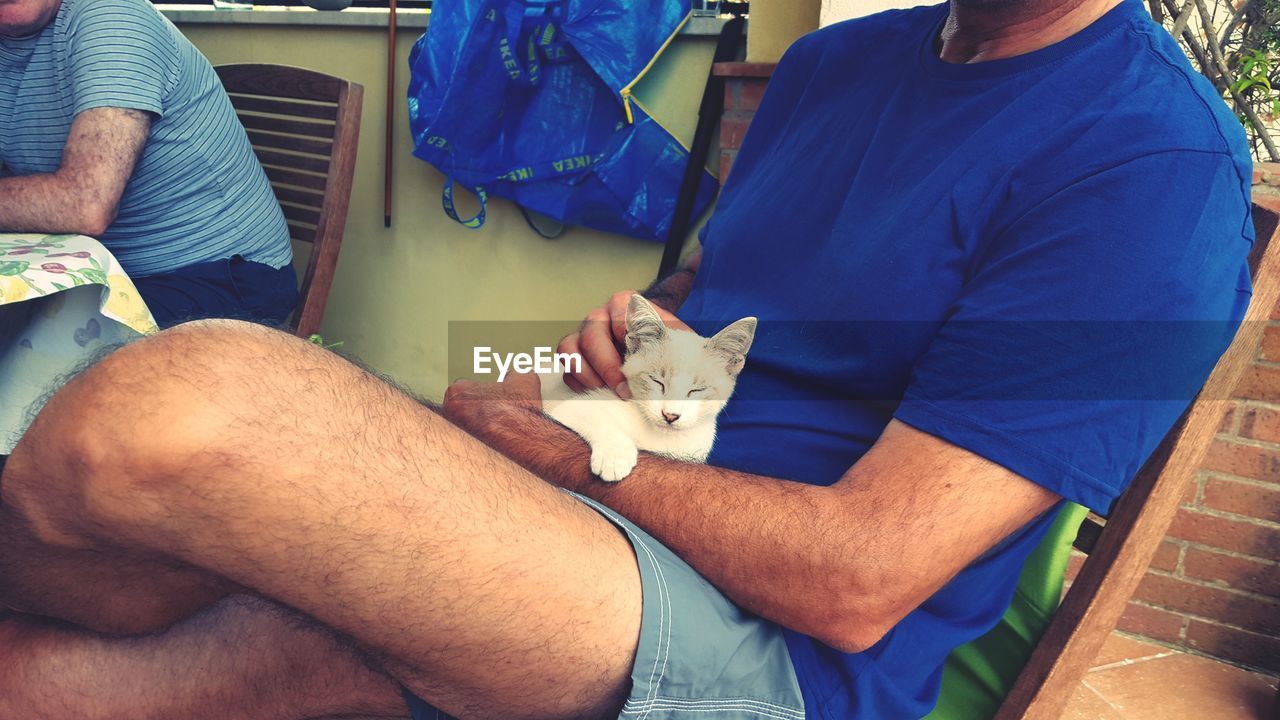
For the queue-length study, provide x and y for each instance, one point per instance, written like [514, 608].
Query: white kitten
[679, 383]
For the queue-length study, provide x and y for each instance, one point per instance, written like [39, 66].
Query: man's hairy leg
[248, 459]
[73, 584]
[103, 589]
[242, 659]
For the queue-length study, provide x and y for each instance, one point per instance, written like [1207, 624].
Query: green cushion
[978, 675]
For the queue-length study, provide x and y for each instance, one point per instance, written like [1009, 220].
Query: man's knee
[111, 437]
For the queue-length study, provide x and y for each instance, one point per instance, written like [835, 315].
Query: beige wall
[397, 290]
[834, 11]
[775, 24]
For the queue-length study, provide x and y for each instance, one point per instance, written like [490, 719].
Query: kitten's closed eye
[696, 390]
[658, 382]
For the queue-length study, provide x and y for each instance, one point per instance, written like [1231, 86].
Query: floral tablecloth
[63, 300]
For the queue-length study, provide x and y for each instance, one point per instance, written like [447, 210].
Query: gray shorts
[700, 656]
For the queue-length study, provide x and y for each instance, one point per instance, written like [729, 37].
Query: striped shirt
[198, 193]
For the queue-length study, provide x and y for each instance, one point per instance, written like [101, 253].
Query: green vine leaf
[13, 267]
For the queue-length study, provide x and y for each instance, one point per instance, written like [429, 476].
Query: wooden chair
[304, 127]
[1120, 550]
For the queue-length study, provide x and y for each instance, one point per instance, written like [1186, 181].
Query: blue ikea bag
[531, 100]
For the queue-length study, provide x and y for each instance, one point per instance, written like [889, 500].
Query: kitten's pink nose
[670, 417]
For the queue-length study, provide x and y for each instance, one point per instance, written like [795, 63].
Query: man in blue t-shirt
[994, 248]
[113, 125]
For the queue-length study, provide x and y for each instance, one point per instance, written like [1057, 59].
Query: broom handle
[391, 114]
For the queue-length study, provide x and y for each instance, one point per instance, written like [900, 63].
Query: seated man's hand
[599, 340]
[476, 406]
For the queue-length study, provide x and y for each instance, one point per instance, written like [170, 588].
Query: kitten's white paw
[611, 461]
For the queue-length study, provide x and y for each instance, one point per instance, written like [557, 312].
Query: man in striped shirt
[113, 125]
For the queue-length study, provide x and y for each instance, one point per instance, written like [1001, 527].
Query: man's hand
[599, 340]
[478, 407]
[83, 194]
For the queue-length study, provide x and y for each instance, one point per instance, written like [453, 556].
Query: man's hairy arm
[670, 292]
[842, 564]
[83, 194]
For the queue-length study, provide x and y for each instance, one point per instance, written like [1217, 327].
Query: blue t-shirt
[1038, 259]
[197, 193]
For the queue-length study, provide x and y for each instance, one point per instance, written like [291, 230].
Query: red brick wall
[743, 88]
[1214, 585]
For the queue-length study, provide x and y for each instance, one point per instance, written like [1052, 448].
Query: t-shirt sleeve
[1090, 323]
[121, 54]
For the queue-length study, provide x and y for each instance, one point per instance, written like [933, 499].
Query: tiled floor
[1133, 680]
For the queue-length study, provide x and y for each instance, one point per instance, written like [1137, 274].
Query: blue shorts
[232, 288]
[700, 656]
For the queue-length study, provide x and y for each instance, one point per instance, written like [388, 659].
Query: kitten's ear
[733, 343]
[643, 324]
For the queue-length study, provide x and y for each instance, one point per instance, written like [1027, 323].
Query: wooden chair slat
[309, 163]
[302, 233]
[287, 127]
[289, 142]
[305, 128]
[324, 258]
[1127, 543]
[300, 214]
[288, 108]
[280, 81]
[306, 198]
[293, 177]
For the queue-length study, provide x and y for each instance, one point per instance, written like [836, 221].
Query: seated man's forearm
[742, 532]
[842, 563]
[46, 204]
[83, 194]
